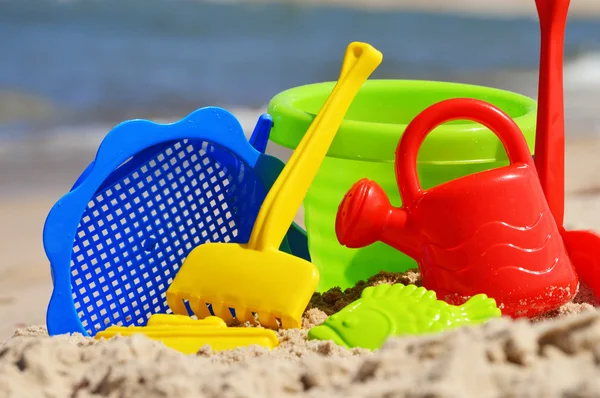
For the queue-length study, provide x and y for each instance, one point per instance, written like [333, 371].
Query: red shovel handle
[445, 111]
[550, 134]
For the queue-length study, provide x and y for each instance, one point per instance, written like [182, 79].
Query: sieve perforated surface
[149, 214]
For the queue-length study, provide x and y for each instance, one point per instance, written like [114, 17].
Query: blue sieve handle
[260, 135]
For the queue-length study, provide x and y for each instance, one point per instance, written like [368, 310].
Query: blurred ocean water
[70, 70]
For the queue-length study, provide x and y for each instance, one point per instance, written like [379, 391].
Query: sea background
[71, 70]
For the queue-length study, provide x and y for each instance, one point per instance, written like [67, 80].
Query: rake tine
[199, 307]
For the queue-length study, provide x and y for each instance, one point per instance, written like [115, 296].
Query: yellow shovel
[187, 335]
[256, 279]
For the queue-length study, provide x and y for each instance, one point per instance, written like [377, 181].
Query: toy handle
[287, 193]
[445, 111]
[550, 134]
[260, 136]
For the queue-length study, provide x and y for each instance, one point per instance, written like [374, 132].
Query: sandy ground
[499, 359]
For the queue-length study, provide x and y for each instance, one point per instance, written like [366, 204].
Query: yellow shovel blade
[184, 320]
[188, 339]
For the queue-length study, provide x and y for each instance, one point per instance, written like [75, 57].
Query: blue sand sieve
[116, 241]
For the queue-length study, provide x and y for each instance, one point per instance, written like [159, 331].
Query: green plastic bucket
[364, 147]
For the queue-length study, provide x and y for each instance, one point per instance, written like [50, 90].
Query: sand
[554, 355]
[501, 358]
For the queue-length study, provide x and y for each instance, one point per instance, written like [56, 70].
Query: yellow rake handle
[287, 193]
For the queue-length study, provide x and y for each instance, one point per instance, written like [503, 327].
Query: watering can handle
[445, 111]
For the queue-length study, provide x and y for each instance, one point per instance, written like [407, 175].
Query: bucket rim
[457, 142]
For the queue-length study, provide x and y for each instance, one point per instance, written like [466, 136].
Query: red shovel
[583, 247]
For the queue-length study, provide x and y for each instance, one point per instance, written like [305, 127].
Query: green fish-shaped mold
[395, 310]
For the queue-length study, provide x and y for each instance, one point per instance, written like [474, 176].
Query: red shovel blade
[584, 251]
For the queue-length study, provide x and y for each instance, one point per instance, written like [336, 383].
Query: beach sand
[502, 358]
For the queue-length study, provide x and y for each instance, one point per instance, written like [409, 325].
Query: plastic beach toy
[256, 278]
[384, 311]
[182, 320]
[490, 232]
[583, 247]
[364, 148]
[117, 239]
[186, 335]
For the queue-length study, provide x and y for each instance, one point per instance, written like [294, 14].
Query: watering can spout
[397, 233]
[366, 216]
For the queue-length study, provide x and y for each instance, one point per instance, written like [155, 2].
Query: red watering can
[491, 232]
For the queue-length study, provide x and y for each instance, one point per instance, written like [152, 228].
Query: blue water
[112, 59]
